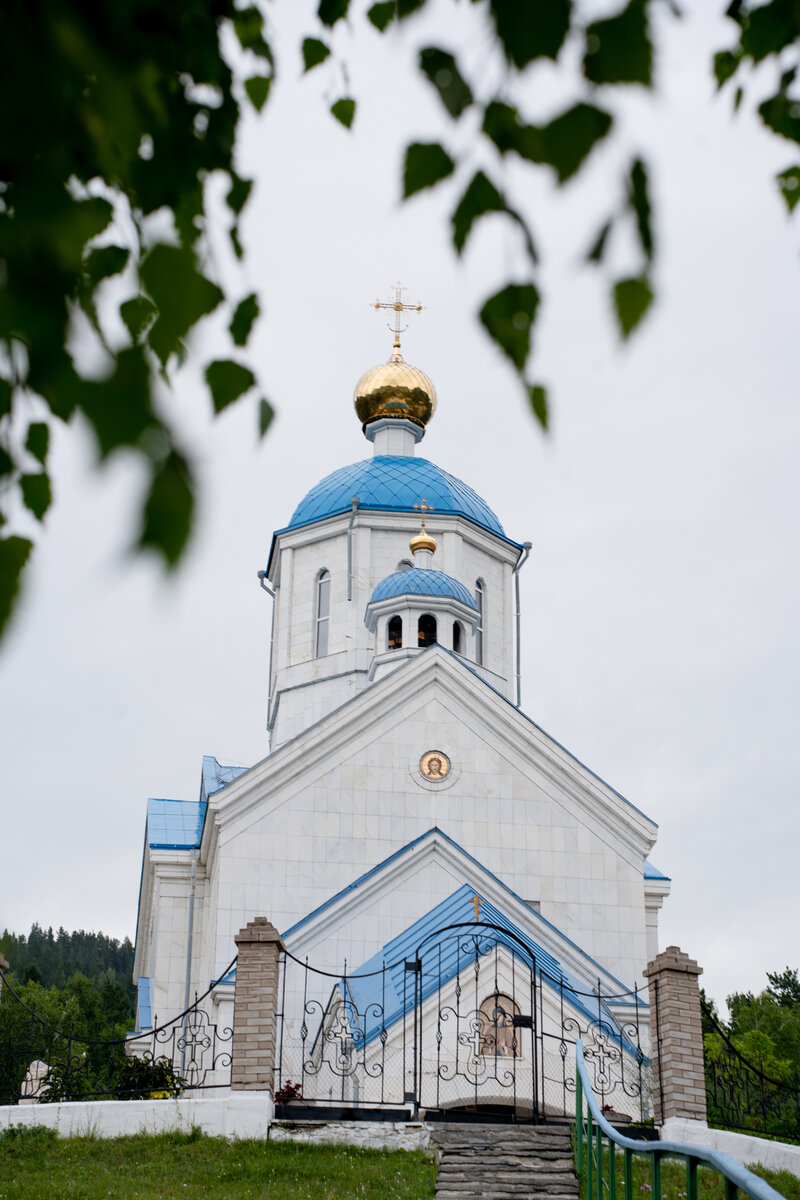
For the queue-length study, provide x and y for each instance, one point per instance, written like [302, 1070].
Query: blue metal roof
[175, 824]
[393, 483]
[419, 581]
[651, 872]
[217, 776]
[381, 999]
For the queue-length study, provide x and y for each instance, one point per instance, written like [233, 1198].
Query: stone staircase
[504, 1162]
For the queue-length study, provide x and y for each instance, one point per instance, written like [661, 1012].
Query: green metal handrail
[592, 1128]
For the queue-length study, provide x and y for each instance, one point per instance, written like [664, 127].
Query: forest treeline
[53, 957]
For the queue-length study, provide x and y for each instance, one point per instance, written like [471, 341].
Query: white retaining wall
[240, 1115]
[778, 1156]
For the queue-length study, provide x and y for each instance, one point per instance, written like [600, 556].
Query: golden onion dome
[395, 389]
[422, 541]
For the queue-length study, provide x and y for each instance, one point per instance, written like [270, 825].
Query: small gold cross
[424, 508]
[398, 307]
[476, 904]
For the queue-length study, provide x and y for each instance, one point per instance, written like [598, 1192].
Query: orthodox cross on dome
[398, 307]
[476, 904]
[423, 540]
[423, 507]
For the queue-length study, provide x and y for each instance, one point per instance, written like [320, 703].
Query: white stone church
[405, 788]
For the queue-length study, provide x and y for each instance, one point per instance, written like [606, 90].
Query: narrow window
[323, 612]
[426, 630]
[479, 626]
[394, 638]
[457, 636]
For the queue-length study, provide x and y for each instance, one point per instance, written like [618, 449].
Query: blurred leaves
[481, 198]
[265, 415]
[36, 493]
[14, 553]
[426, 164]
[246, 314]
[112, 115]
[563, 144]
[441, 69]
[618, 49]
[508, 316]
[530, 31]
[632, 298]
[344, 110]
[168, 509]
[789, 184]
[314, 52]
[538, 398]
[227, 381]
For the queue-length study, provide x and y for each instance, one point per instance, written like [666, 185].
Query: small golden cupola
[422, 545]
[395, 390]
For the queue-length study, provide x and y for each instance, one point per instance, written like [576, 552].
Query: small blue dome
[393, 483]
[419, 581]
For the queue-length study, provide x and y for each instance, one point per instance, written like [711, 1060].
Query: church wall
[170, 929]
[518, 824]
[380, 543]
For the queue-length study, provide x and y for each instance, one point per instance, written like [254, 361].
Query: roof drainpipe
[526, 549]
[262, 577]
[354, 503]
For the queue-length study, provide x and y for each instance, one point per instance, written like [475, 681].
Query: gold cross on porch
[476, 904]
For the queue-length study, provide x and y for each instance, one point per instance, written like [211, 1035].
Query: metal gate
[474, 1024]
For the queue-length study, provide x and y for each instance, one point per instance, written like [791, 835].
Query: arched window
[323, 613]
[457, 637]
[426, 630]
[405, 564]
[479, 626]
[394, 633]
[499, 1038]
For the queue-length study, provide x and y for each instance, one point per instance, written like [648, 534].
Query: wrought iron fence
[469, 1022]
[40, 1063]
[740, 1095]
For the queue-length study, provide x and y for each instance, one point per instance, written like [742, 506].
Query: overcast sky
[660, 602]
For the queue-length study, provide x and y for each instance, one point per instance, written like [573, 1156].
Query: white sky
[660, 630]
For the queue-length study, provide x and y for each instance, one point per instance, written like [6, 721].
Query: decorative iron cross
[398, 308]
[476, 904]
[424, 508]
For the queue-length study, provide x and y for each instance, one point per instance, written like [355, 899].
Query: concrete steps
[502, 1162]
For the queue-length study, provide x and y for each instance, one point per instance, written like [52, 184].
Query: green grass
[710, 1184]
[36, 1165]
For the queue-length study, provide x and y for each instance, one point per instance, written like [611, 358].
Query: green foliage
[58, 955]
[442, 70]
[344, 110]
[789, 184]
[632, 298]
[426, 164]
[131, 109]
[618, 49]
[111, 115]
[189, 1164]
[314, 52]
[227, 381]
[753, 1062]
[508, 317]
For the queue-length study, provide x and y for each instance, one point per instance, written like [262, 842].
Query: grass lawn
[710, 1184]
[35, 1165]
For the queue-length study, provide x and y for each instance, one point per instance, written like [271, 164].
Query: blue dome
[392, 483]
[419, 581]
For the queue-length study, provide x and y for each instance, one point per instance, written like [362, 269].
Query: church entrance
[466, 1024]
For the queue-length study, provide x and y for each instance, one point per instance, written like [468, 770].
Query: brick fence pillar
[255, 1006]
[676, 1036]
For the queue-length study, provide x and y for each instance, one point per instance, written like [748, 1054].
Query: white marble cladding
[303, 686]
